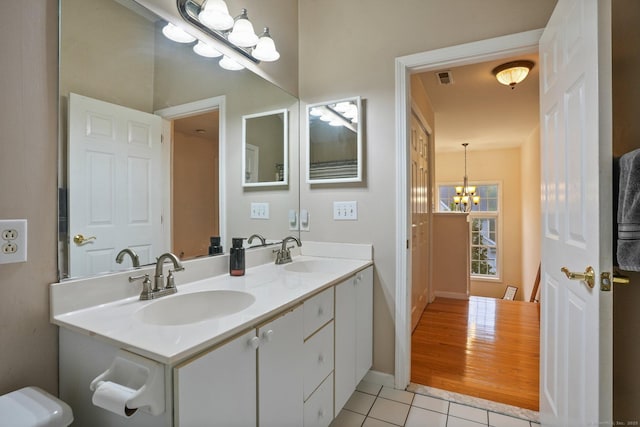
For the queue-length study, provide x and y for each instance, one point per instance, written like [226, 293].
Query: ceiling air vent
[444, 77]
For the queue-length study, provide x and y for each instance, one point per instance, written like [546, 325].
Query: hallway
[483, 347]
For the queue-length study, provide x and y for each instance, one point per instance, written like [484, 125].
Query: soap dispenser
[215, 248]
[236, 257]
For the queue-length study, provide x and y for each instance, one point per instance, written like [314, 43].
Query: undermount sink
[194, 307]
[312, 266]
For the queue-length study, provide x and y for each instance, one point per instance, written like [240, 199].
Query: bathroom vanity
[283, 345]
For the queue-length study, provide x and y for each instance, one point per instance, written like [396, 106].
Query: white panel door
[114, 184]
[280, 384]
[575, 374]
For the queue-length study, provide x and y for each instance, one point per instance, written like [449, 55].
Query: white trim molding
[453, 56]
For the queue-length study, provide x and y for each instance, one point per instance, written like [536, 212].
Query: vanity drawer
[318, 358]
[318, 410]
[318, 310]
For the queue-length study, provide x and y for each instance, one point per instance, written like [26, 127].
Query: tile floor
[372, 405]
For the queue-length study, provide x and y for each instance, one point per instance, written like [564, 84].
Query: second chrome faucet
[283, 255]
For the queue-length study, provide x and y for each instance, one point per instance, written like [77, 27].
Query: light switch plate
[259, 210]
[345, 211]
[13, 241]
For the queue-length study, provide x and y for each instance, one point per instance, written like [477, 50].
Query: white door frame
[439, 59]
[199, 107]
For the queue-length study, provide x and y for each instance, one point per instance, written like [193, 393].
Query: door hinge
[407, 243]
[161, 138]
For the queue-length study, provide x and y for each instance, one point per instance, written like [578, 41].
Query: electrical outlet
[13, 241]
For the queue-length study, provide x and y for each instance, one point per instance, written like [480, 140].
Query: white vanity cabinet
[318, 358]
[280, 371]
[218, 388]
[353, 333]
[223, 386]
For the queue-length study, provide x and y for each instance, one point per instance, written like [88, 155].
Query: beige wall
[28, 117]
[357, 58]
[493, 166]
[531, 222]
[626, 137]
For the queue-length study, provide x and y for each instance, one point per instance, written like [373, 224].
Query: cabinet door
[219, 387]
[280, 371]
[345, 335]
[364, 323]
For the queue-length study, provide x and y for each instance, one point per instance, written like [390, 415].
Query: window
[484, 218]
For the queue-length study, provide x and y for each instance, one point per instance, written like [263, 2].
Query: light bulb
[215, 15]
[229, 64]
[265, 49]
[242, 34]
[203, 49]
[177, 34]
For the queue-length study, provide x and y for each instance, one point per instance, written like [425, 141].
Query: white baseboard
[453, 295]
[380, 378]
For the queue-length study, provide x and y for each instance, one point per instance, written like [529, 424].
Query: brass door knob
[79, 239]
[588, 276]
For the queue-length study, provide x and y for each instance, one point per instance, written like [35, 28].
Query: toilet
[33, 407]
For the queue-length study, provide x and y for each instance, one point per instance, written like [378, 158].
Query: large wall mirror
[122, 80]
[265, 138]
[334, 141]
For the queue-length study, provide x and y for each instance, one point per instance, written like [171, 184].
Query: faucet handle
[146, 284]
[171, 282]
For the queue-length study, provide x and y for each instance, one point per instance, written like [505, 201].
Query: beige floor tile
[499, 420]
[370, 388]
[460, 422]
[348, 419]
[468, 413]
[431, 403]
[360, 402]
[389, 411]
[372, 422]
[397, 395]
[419, 417]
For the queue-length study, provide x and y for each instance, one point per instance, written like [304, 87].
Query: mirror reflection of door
[195, 195]
[252, 163]
[115, 197]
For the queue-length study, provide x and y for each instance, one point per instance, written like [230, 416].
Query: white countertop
[273, 286]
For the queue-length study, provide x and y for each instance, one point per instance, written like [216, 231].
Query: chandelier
[465, 196]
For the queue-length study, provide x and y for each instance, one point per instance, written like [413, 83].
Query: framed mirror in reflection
[143, 149]
[334, 141]
[265, 158]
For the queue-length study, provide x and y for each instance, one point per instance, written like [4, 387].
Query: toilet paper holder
[144, 376]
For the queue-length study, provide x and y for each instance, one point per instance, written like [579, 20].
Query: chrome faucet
[126, 251]
[157, 278]
[283, 255]
[263, 241]
[158, 290]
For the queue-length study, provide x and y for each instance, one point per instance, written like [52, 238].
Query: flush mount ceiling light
[512, 73]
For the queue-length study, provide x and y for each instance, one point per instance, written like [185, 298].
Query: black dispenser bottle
[236, 257]
[215, 248]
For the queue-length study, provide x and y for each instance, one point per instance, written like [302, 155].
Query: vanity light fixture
[512, 73]
[212, 17]
[177, 34]
[465, 196]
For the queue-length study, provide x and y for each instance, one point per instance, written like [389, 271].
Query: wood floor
[483, 347]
